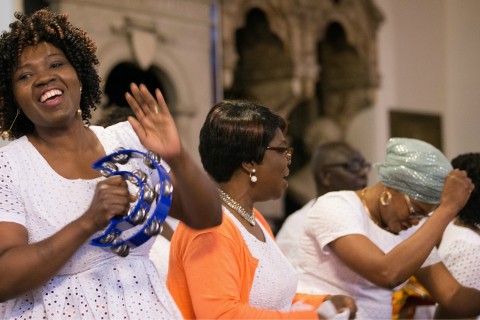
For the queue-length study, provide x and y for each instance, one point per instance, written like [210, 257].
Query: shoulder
[338, 203]
[185, 235]
[118, 135]
[13, 154]
[294, 222]
[334, 215]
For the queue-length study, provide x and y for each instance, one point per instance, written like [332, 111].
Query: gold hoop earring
[6, 134]
[252, 176]
[385, 198]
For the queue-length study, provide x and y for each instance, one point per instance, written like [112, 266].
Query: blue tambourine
[148, 213]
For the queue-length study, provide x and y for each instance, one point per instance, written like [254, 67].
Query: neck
[367, 197]
[239, 209]
[70, 138]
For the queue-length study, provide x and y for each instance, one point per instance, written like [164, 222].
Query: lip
[51, 97]
[404, 227]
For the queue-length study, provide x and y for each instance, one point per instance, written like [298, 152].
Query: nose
[414, 221]
[43, 78]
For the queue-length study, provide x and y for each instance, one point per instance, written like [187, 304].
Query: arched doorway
[118, 82]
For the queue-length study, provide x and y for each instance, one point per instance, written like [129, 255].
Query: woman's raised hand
[456, 190]
[154, 125]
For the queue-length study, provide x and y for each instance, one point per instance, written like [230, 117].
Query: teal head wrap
[414, 168]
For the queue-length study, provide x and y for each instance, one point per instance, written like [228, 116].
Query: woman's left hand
[154, 125]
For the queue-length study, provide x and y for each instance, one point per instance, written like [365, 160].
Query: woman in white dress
[51, 200]
[460, 246]
[368, 242]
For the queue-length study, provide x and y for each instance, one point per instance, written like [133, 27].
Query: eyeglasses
[352, 166]
[287, 151]
[413, 213]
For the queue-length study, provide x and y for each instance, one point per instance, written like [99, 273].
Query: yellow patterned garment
[406, 299]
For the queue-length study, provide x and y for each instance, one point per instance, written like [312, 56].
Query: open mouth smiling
[50, 94]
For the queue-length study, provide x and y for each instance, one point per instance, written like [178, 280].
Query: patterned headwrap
[414, 168]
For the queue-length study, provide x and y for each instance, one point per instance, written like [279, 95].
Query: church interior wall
[426, 53]
[426, 56]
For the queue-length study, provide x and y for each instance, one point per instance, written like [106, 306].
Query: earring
[385, 197]
[81, 88]
[6, 134]
[79, 112]
[253, 178]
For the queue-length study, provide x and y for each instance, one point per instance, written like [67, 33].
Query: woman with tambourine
[52, 202]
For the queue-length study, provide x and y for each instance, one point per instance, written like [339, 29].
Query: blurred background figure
[460, 245]
[301, 183]
[334, 166]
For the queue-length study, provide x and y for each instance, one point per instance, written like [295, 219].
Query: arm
[195, 198]
[25, 266]
[365, 258]
[454, 300]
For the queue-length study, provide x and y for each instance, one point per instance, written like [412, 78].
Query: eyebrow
[418, 208]
[52, 55]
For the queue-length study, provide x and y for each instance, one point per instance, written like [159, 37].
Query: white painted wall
[427, 61]
[462, 116]
[6, 14]
[7, 8]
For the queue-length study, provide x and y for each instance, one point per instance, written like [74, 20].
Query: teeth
[52, 93]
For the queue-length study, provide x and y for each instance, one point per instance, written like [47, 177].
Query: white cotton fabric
[160, 251]
[334, 215]
[460, 252]
[95, 283]
[275, 282]
[288, 237]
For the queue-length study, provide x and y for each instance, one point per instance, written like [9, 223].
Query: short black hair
[470, 162]
[236, 131]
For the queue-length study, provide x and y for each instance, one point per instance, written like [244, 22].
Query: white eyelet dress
[95, 283]
[275, 282]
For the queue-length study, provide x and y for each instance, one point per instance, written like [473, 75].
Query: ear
[248, 166]
[324, 177]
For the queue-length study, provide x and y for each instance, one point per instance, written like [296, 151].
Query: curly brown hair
[54, 28]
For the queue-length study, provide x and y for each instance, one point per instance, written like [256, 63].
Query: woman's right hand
[456, 191]
[341, 304]
[111, 198]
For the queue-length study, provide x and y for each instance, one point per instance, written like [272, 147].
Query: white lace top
[334, 215]
[95, 283]
[460, 252]
[275, 282]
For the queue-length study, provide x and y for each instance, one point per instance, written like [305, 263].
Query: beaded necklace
[250, 218]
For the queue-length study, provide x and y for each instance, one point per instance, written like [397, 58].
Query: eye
[57, 64]
[23, 76]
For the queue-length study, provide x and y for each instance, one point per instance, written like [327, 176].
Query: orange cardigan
[211, 273]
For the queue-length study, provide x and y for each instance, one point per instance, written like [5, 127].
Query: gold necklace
[250, 218]
[362, 198]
